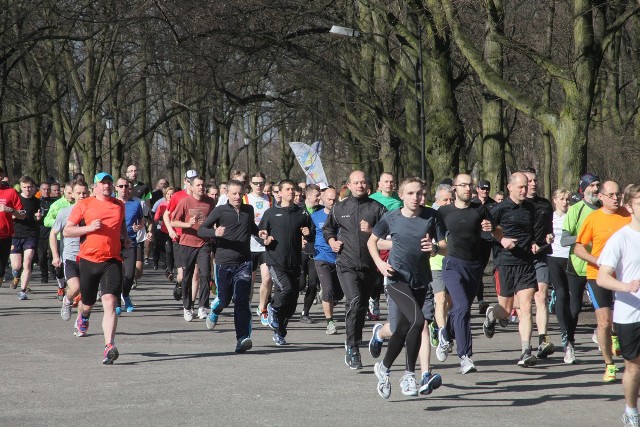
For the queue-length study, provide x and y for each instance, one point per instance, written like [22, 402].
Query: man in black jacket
[282, 229]
[347, 231]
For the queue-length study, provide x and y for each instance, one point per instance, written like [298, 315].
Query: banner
[308, 157]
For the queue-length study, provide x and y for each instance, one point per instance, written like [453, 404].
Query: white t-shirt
[222, 200]
[558, 250]
[260, 205]
[622, 252]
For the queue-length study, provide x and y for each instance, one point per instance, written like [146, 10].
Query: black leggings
[163, 243]
[410, 324]
[5, 249]
[129, 270]
[569, 292]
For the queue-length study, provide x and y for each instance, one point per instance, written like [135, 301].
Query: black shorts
[106, 276]
[177, 255]
[257, 259]
[140, 251]
[542, 269]
[329, 283]
[600, 297]
[629, 336]
[71, 269]
[511, 279]
[21, 244]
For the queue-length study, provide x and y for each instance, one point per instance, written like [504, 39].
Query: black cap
[483, 183]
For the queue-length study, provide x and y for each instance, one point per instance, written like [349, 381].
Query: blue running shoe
[279, 340]
[81, 327]
[375, 345]
[118, 311]
[244, 344]
[128, 305]
[429, 383]
[273, 322]
[212, 320]
[552, 302]
[22, 296]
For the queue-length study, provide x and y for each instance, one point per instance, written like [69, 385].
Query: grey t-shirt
[70, 246]
[411, 265]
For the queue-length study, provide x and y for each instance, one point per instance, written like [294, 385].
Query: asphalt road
[171, 372]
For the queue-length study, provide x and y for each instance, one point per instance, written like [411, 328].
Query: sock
[409, 373]
[526, 347]
[631, 411]
[329, 320]
[383, 368]
[542, 338]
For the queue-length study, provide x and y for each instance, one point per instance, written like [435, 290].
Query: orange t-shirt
[103, 244]
[596, 230]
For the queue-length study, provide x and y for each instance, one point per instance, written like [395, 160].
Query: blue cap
[101, 177]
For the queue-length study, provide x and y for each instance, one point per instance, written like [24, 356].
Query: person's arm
[207, 228]
[384, 267]
[581, 252]
[384, 245]
[329, 232]
[53, 244]
[566, 239]
[72, 230]
[52, 214]
[608, 281]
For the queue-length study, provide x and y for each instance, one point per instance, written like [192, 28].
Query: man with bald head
[513, 258]
[347, 230]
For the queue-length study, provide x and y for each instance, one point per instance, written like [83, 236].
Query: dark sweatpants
[285, 297]
[461, 280]
[485, 253]
[191, 256]
[309, 276]
[357, 286]
[234, 282]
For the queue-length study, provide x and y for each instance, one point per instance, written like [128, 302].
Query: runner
[162, 234]
[25, 237]
[408, 276]
[44, 254]
[486, 244]
[593, 234]
[48, 221]
[308, 273]
[347, 230]
[235, 224]
[70, 249]
[621, 256]
[10, 207]
[100, 264]
[282, 229]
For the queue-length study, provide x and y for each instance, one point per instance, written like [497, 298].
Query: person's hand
[385, 268]
[336, 246]
[95, 225]
[486, 225]
[426, 245]
[305, 231]
[220, 231]
[365, 227]
[173, 235]
[535, 248]
[550, 238]
[193, 220]
[634, 286]
[56, 261]
[508, 243]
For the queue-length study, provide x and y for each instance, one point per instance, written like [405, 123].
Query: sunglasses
[257, 183]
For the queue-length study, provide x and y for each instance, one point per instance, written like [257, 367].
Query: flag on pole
[308, 157]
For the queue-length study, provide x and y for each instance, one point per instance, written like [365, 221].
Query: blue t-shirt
[132, 215]
[323, 251]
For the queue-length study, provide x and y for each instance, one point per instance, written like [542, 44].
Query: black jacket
[285, 225]
[234, 247]
[343, 224]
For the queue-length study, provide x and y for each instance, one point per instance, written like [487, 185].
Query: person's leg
[242, 310]
[265, 286]
[284, 287]
[326, 275]
[461, 280]
[111, 286]
[168, 250]
[525, 326]
[349, 285]
[631, 382]
[312, 288]
[577, 285]
[16, 266]
[602, 301]
[27, 266]
[5, 249]
[43, 259]
[203, 261]
[366, 279]
[188, 255]
[558, 278]
[485, 252]
[129, 271]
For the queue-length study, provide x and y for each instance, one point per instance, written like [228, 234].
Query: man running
[10, 207]
[619, 271]
[347, 232]
[308, 274]
[234, 227]
[594, 233]
[100, 264]
[486, 244]
[25, 236]
[408, 276]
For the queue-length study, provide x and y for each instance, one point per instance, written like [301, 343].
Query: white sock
[631, 411]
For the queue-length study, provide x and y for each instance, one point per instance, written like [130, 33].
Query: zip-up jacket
[343, 224]
[285, 225]
[234, 246]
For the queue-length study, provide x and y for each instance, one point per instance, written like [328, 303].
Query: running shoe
[564, 339]
[264, 316]
[128, 305]
[353, 359]
[384, 385]
[81, 327]
[331, 328]
[444, 346]
[135, 284]
[273, 322]
[188, 315]
[467, 365]
[211, 320]
[118, 311]
[429, 383]
[372, 317]
[610, 374]
[169, 275]
[594, 338]
[243, 345]
[408, 384]
[569, 354]
[304, 318]
[76, 300]
[527, 359]
[553, 299]
[60, 294]
[65, 310]
[15, 283]
[374, 307]
[22, 295]
[489, 327]
[630, 420]
[375, 345]
[482, 307]
[545, 349]
[110, 354]
[513, 317]
[615, 345]
[279, 340]
[202, 313]
[433, 335]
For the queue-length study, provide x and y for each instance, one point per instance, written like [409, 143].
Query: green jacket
[53, 211]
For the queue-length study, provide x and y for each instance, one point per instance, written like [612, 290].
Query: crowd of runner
[345, 243]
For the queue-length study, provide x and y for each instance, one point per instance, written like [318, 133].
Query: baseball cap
[323, 186]
[101, 177]
[483, 183]
[190, 174]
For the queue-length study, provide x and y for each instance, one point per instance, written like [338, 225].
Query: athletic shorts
[600, 297]
[429, 306]
[21, 244]
[330, 289]
[511, 279]
[177, 255]
[257, 259]
[542, 270]
[629, 336]
[437, 284]
[106, 276]
[71, 269]
[140, 252]
[394, 312]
